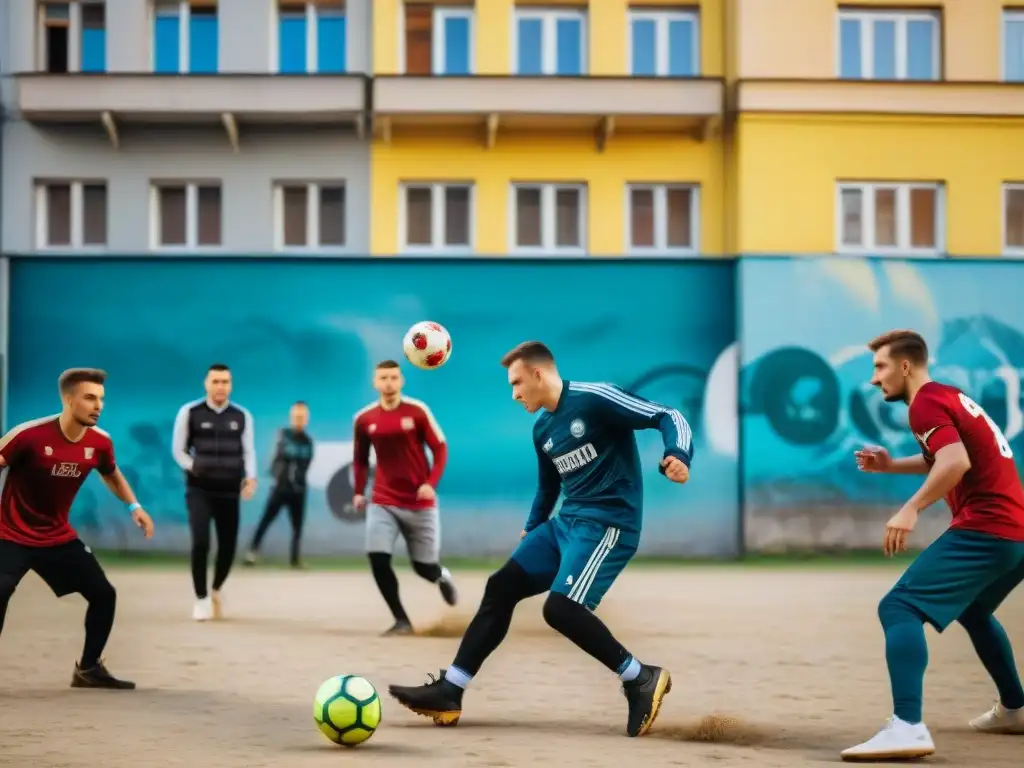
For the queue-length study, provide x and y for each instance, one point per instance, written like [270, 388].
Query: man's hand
[426, 492]
[359, 502]
[897, 529]
[142, 519]
[675, 470]
[873, 459]
[249, 489]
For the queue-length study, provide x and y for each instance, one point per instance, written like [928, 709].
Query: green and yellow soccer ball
[347, 709]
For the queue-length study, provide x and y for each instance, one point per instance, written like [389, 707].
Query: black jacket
[215, 447]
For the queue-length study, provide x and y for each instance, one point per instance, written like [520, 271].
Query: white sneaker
[203, 609]
[999, 719]
[898, 740]
[218, 605]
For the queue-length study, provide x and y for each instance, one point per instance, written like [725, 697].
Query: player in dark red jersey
[404, 488]
[970, 569]
[45, 462]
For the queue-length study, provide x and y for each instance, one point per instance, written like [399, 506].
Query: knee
[200, 544]
[507, 585]
[895, 608]
[429, 571]
[379, 561]
[102, 593]
[975, 618]
[557, 610]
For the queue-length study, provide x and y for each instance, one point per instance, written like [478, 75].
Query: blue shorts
[576, 557]
[960, 570]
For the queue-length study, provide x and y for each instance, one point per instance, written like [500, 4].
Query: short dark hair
[300, 402]
[218, 367]
[535, 352]
[905, 345]
[386, 364]
[72, 377]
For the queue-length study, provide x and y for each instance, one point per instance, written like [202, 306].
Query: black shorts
[66, 568]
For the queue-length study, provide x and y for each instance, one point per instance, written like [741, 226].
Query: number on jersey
[978, 412]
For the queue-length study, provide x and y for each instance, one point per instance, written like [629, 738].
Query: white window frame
[1015, 15]
[661, 20]
[1010, 250]
[437, 43]
[191, 243]
[42, 214]
[548, 216]
[902, 189]
[437, 219]
[184, 41]
[866, 19]
[312, 38]
[312, 216]
[74, 32]
[661, 247]
[549, 53]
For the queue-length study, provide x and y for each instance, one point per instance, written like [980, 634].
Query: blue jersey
[586, 448]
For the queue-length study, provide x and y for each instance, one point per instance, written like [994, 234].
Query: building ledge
[606, 105]
[873, 97]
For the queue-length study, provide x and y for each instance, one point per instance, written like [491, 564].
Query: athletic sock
[457, 677]
[630, 670]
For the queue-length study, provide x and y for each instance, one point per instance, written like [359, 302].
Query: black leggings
[295, 501]
[224, 512]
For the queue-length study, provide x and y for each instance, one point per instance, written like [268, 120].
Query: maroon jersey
[398, 436]
[44, 472]
[989, 498]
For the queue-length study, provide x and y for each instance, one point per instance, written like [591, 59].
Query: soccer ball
[427, 345]
[347, 710]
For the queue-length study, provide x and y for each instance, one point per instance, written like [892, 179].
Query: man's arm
[277, 462]
[932, 420]
[951, 464]
[434, 438]
[118, 485]
[179, 440]
[549, 485]
[911, 465]
[638, 413]
[360, 458]
[249, 444]
[12, 445]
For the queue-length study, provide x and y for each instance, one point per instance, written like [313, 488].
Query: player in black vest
[291, 462]
[214, 443]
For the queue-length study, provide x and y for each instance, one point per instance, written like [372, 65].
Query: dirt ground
[771, 668]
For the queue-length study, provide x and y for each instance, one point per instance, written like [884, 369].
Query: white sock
[456, 676]
[631, 672]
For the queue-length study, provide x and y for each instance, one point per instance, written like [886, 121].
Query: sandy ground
[788, 663]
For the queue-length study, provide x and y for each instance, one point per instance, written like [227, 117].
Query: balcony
[231, 101]
[497, 104]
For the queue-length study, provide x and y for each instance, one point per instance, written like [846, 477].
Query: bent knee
[974, 617]
[557, 607]
[101, 592]
[509, 584]
[896, 608]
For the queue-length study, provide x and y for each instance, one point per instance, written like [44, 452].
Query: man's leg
[226, 518]
[297, 515]
[937, 588]
[592, 558]
[70, 568]
[14, 564]
[527, 573]
[382, 530]
[200, 515]
[270, 513]
[423, 538]
[993, 648]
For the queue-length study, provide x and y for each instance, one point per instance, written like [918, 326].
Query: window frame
[437, 36]
[1012, 14]
[312, 38]
[41, 214]
[313, 204]
[903, 218]
[1016, 251]
[191, 244]
[548, 219]
[549, 38]
[902, 17]
[662, 19]
[661, 249]
[75, 31]
[437, 218]
[184, 35]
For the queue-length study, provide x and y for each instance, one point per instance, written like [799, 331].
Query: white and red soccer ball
[427, 345]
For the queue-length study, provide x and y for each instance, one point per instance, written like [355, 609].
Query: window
[72, 37]
[889, 45]
[890, 218]
[664, 44]
[548, 218]
[436, 217]
[71, 214]
[1013, 46]
[186, 215]
[438, 40]
[185, 36]
[547, 42]
[661, 219]
[311, 36]
[1013, 219]
[309, 214]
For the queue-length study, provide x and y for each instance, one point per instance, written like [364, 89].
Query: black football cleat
[447, 587]
[439, 700]
[644, 695]
[99, 677]
[399, 628]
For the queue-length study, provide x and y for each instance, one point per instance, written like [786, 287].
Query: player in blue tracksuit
[586, 449]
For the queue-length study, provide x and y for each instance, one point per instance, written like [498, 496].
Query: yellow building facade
[710, 128]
